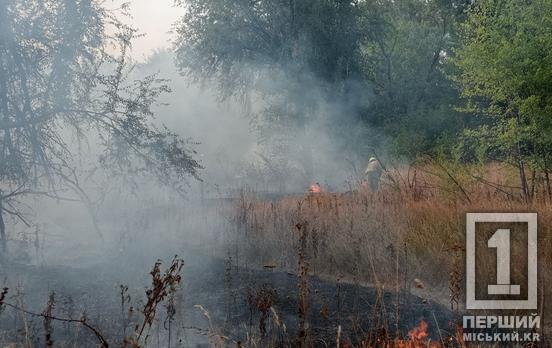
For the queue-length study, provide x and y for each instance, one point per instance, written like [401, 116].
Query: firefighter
[373, 173]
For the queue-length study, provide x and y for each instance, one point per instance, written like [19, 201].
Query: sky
[155, 19]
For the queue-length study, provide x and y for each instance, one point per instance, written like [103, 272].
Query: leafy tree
[292, 54]
[380, 61]
[64, 74]
[404, 48]
[504, 70]
[241, 43]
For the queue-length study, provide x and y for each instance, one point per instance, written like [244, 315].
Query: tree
[296, 56]
[403, 52]
[65, 74]
[504, 70]
[379, 62]
[241, 43]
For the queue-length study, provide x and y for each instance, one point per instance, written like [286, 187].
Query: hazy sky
[154, 18]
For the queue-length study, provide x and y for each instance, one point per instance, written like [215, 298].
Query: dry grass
[164, 285]
[408, 236]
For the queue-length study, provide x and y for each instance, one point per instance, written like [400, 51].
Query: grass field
[346, 269]
[408, 237]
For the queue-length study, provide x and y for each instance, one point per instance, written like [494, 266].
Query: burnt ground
[230, 295]
[360, 310]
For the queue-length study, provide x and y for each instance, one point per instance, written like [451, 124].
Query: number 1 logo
[501, 241]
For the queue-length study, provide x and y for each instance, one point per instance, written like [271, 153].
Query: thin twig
[81, 321]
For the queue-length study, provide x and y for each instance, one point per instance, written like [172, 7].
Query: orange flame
[417, 338]
[315, 188]
[418, 333]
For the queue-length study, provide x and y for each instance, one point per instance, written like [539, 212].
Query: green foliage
[379, 61]
[403, 61]
[271, 47]
[219, 38]
[397, 53]
[504, 69]
[298, 60]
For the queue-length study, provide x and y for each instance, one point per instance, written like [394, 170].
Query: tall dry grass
[408, 236]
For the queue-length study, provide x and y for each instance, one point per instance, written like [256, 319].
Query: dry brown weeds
[413, 228]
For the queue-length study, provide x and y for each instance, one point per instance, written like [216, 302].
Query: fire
[315, 188]
[418, 333]
[417, 338]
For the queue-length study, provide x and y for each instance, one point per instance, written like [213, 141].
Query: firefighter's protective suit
[373, 173]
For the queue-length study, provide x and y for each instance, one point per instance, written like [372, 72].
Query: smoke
[221, 131]
[261, 141]
[255, 141]
[249, 143]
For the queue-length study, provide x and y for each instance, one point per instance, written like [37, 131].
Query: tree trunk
[2, 230]
[523, 179]
[521, 165]
[548, 188]
[533, 184]
[522, 176]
